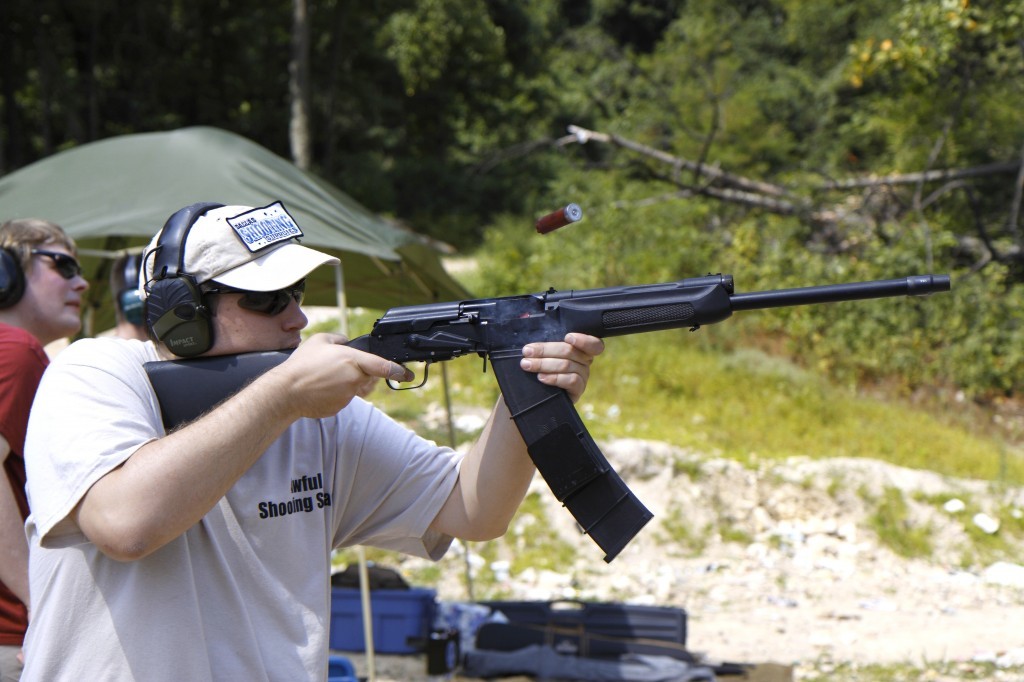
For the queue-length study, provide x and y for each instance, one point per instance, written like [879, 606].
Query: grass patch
[983, 547]
[678, 387]
[678, 531]
[533, 541]
[827, 671]
[894, 529]
[690, 467]
[736, 535]
[746, 405]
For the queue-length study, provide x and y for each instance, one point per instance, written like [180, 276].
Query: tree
[298, 87]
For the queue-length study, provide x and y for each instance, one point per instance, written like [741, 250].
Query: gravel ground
[785, 567]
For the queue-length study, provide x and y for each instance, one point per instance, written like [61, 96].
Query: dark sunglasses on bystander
[66, 265]
[266, 302]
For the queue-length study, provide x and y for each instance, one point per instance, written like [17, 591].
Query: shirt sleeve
[391, 482]
[22, 362]
[94, 409]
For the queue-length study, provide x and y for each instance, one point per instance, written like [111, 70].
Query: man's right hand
[322, 375]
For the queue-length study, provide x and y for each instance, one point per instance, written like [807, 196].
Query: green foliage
[926, 72]
[931, 341]
[430, 40]
[691, 468]
[945, 340]
[616, 243]
[349, 556]
[442, 114]
[932, 40]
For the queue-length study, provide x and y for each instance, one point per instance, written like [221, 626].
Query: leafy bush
[970, 339]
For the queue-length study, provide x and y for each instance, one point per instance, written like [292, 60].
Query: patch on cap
[263, 227]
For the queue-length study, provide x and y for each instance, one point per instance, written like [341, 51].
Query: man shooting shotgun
[202, 552]
[497, 328]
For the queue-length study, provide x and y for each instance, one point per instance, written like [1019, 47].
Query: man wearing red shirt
[41, 287]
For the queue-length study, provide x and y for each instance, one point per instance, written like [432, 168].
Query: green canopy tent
[115, 194]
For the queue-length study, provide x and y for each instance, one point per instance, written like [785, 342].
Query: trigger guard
[396, 386]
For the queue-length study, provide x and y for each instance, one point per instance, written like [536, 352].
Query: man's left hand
[565, 364]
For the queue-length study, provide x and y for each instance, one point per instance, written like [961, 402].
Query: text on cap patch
[263, 227]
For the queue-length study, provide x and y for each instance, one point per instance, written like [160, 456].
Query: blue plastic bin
[401, 619]
[340, 669]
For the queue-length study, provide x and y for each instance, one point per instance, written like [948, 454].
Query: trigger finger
[397, 372]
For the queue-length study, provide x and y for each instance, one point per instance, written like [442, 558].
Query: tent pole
[339, 288]
[364, 573]
[364, 594]
[453, 444]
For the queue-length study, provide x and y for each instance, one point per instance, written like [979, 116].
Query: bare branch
[983, 245]
[926, 176]
[716, 118]
[919, 190]
[978, 249]
[516, 151]
[583, 136]
[1018, 190]
[778, 206]
[941, 191]
[776, 199]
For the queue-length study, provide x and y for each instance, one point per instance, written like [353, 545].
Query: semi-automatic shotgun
[496, 329]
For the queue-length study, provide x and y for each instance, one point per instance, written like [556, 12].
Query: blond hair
[21, 235]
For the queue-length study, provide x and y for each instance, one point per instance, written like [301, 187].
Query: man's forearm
[169, 484]
[493, 480]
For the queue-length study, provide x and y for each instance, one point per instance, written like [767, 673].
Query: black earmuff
[128, 300]
[175, 312]
[12, 279]
[131, 306]
[130, 271]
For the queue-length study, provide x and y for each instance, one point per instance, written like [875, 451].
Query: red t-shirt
[22, 361]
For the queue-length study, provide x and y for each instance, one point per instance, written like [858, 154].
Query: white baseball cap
[255, 249]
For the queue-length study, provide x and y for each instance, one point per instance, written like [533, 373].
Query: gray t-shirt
[245, 593]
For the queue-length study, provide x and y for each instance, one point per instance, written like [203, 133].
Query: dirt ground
[802, 580]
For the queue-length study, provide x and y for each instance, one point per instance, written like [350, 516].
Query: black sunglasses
[266, 302]
[67, 266]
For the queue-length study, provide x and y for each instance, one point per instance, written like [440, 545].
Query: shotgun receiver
[496, 329]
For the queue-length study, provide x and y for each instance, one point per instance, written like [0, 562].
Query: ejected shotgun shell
[559, 218]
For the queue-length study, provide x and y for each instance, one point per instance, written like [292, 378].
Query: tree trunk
[298, 87]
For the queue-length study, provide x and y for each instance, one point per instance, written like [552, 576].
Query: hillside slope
[784, 563]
